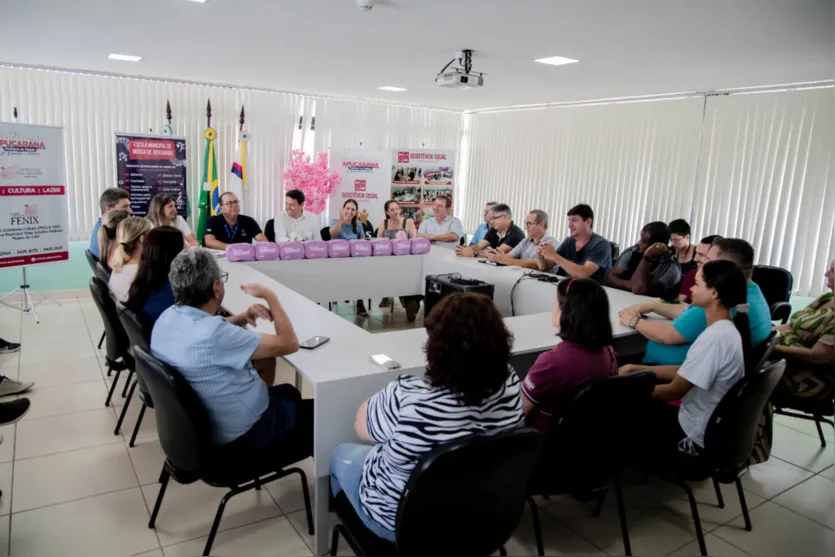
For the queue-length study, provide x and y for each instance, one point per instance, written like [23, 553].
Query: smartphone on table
[313, 342]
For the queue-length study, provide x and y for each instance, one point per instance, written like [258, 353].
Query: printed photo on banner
[413, 212]
[431, 194]
[147, 165]
[407, 175]
[408, 194]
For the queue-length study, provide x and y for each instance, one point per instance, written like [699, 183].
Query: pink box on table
[266, 251]
[361, 248]
[291, 251]
[420, 245]
[401, 246]
[381, 246]
[339, 248]
[315, 249]
[240, 252]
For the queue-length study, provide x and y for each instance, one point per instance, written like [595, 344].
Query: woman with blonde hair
[129, 238]
[163, 212]
[107, 235]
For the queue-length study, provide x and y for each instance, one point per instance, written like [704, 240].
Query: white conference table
[340, 371]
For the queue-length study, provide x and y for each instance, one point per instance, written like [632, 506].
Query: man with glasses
[482, 229]
[524, 254]
[231, 227]
[502, 236]
[442, 229]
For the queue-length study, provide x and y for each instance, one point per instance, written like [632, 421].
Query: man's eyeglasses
[528, 223]
[232, 203]
[224, 276]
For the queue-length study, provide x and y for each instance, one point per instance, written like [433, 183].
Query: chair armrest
[781, 311]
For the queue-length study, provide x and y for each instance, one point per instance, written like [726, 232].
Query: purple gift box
[339, 248]
[291, 251]
[420, 245]
[381, 246]
[401, 246]
[361, 248]
[266, 251]
[315, 249]
[240, 252]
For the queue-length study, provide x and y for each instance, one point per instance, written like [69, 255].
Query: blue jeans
[347, 461]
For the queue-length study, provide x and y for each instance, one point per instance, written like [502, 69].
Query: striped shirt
[409, 418]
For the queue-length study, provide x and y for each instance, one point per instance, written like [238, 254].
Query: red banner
[34, 259]
[152, 149]
[32, 190]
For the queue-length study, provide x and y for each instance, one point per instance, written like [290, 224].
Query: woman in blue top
[347, 227]
[150, 293]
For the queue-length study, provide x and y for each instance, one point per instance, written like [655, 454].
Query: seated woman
[468, 388]
[348, 227]
[163, 212]
[150, 293]
[129, 239]
[714, 363]
[107, 235]
[394, 227]
[807, 342]
[581, 315]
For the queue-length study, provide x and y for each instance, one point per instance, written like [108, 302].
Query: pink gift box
[315, 249]
[291, 251]
[339, 248]
[420, 245]
[361, 248]
[266, 251]
[240, 252]
[381, 246]
[401, 246]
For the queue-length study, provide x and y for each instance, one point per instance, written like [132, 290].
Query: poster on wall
[150, 164]
[365, 178]
[418, 177]
[34, 214]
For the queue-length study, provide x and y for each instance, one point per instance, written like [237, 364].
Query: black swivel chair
[93, 261]
[761, 352]
[117, 356]
[729, 441]
[269, 230]
[325, 233]
[190, 455]
[139, 334]
[463, 498]
[776, 284]
[815, 409]
[615, 252]
[584, 453]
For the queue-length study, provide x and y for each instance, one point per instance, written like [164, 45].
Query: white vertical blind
[632, 162]
[766, 175]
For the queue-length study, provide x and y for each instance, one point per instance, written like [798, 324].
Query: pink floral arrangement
[313, 178]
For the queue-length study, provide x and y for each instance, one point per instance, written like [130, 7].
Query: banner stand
[28, 306]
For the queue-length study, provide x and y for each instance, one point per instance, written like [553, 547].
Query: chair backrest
[137, 331]
[269, 230]
[775, 282]
[325, 233]
[91, 260]
[467, 497]
[761, 352]
[182, 422]
[116, 339]
[732, 429]
[102, 272]
[462, 241]
[615, 252]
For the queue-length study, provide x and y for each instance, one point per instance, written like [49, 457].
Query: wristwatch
[475, 252]
[634, 321]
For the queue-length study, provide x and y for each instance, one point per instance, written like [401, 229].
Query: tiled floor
[71, 487]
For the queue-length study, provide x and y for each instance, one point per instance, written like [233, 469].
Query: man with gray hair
[111, 198]
[524, 254]
[215, 355]
[503, 234]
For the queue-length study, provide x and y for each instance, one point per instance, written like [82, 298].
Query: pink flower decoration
[313, 178]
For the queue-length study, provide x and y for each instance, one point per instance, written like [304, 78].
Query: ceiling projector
[461, 77]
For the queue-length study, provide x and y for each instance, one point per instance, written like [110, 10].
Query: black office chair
[117, 356]
[92, 261]
[776, 284]
[463, 498]
[462, 241]
[761, 352]
[584, 453]
[139, 334]
[729, 441]
[615, 253]
[269, 230]
[191, 455]
[815, 409]
[325, 233]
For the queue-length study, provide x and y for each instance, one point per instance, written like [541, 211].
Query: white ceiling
[329, 47]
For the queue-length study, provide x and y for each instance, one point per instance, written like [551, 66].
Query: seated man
[482, 229]
[111, 198]
[294, 223]
[669, 341]
[649, 266]
[443, 229]
[215, 355]
[524, 254]
[700, 257]
[231, 227]
[583, 254]
[502, 236]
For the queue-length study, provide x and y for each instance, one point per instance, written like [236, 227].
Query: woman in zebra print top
[469, 388]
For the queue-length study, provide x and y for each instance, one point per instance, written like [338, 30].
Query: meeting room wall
[755, 165]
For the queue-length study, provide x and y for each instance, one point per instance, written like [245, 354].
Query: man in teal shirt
[668, 342]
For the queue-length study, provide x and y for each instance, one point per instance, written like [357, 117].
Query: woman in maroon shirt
[581, 314]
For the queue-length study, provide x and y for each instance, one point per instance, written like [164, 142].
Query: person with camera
[649, 266]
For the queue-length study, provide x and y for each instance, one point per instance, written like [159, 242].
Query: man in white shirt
[443, 230]
[294, 223]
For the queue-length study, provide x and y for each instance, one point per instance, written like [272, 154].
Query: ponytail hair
[728, 280]
[107, 233]
[128, 235]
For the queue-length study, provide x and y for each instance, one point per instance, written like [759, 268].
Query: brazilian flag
[209, 197]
